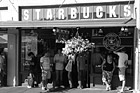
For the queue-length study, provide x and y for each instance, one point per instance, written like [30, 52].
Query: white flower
[76, 45]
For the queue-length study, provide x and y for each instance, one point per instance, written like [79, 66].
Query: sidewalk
[19, 89]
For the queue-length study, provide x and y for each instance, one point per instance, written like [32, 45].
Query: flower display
[76, 45]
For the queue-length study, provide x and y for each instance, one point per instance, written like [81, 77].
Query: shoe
[29, 87]
[56, 87]
[79, 87]
[121, 91]
[47, 90]
[70, 85]
[62, 86]
[43, 88]
[107, 88]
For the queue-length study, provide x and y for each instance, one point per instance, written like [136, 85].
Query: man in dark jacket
[35, 68]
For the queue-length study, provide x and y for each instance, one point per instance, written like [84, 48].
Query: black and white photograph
[69, 46]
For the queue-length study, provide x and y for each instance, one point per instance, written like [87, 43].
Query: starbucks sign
[111, 41]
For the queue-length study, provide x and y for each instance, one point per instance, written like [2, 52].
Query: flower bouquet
[76, 45]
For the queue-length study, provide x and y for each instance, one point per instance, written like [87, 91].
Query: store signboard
[77, 12]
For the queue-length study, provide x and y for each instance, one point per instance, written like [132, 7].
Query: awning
[71, 23]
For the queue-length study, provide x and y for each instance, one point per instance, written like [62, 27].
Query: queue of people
[52, 69]
[75, 69]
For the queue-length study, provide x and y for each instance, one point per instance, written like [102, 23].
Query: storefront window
[29, 44]
[37, 41]
[3, 56]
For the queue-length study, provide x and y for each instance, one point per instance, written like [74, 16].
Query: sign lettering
[37, 13]
[26, 15]
[99, 12]
[73, 13]
[127, 11]
[78, 12]
[49, 14]
[86, 12]
[112, 11]
[61, 13]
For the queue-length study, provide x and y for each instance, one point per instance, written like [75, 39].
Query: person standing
[31, 70]
[96, 59]
[71, 67]
[45, 67]
[108, 67]
[59, 60]
[34, 68]
[82, 70]
[122, 65]
[74, 72]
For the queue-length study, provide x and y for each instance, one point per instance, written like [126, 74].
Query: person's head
[30, 74]
[110, 51]
[31, 54]
[59, 51]
[123, 50]
[97, 50]
[82, 54]
[46, 54]
[109, 58]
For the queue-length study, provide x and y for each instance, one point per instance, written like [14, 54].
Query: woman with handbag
[71, 67]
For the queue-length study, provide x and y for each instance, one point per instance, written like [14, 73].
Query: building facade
[38, 26]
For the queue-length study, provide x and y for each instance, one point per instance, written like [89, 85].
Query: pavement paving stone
[20, 89]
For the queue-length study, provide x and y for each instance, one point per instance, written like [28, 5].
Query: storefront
[98, 22]
[41, 28]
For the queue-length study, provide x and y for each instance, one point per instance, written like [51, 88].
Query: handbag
[69, 66]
